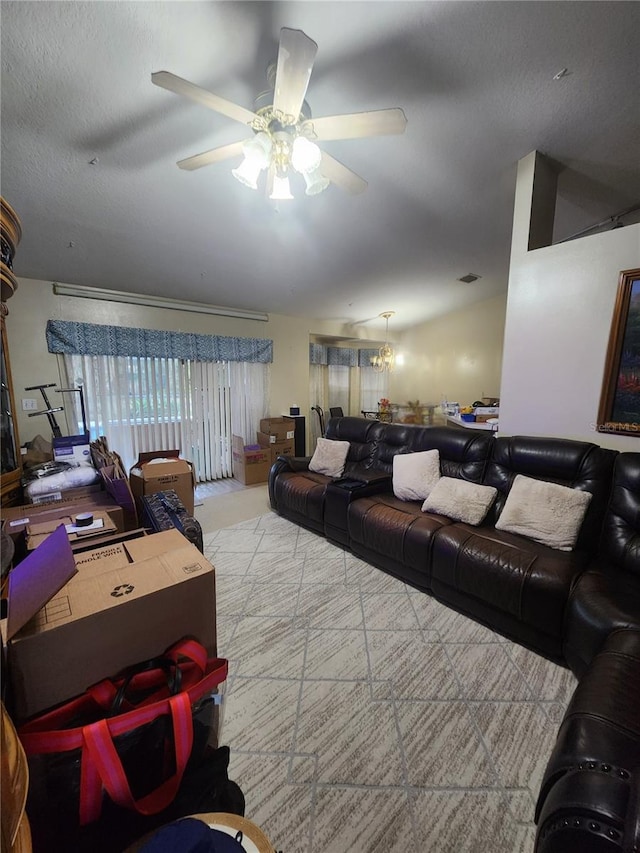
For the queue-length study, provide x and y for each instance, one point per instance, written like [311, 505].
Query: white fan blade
[356, 125]
[201, 96]
[212, 156]
[295, 61]
[341, 176]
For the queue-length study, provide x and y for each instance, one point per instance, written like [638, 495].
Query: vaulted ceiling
[89, 146]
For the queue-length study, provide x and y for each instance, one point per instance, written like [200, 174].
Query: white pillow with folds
[545, 512]
[460, 500]
[415, 474]
[329, 457]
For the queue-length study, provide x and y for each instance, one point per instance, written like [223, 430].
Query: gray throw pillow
[460, 500]
[329, 457]
[545, 512]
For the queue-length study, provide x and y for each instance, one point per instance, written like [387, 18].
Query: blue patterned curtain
[91, 339]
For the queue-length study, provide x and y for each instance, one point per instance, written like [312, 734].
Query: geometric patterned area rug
[365, 717]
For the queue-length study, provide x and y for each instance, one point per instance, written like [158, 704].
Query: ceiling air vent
[469, 277]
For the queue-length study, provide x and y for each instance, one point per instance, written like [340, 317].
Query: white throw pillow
[415, 474]
[329, 457]
[545, 512]
[460, 500]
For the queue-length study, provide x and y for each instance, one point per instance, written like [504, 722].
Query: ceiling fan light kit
[284, 129]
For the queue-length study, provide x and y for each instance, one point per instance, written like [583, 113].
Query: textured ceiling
[476, 81]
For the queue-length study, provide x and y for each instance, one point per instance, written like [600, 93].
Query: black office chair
[336, 412]
[320, 413]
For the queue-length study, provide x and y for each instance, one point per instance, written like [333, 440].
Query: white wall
[34, 303]
[458, 356]
[559, 312]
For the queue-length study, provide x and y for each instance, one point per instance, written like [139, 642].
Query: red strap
[90, 804]
[191, 649]
[99, 744]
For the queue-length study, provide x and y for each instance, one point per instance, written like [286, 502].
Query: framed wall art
[620, 399]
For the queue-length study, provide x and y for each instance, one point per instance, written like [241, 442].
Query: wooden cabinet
[11, 470]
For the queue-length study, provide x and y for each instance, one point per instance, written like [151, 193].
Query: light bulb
[259, 148]
[315, 181]
[257, 155]
[281, 190]
[305, 155]
[247, 172]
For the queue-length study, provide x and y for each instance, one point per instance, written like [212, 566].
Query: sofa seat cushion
[600, 602]
[301, 494]
[522, 578]
[395, 529]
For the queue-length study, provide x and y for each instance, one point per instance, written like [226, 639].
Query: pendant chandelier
[385, 360]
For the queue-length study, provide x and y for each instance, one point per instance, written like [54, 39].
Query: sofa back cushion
[373, 444]
[391, 440]
[576, 464]
[621, 529]
[361, 434]
[463, 453]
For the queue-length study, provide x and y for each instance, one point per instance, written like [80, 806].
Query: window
[145, 403]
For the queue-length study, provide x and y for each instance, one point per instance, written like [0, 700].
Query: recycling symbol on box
[123, 589]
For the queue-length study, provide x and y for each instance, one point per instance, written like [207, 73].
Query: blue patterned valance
[334, 356]
[340, 356]
[365, 356]
[92, 339]
[318, 354]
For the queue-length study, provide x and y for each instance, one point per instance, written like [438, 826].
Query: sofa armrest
[369, 476]
[285, 463]
[293, 463]
[339, 495]
[586, 810]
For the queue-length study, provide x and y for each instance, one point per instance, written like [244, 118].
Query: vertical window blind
[147, 390]
[145, 404]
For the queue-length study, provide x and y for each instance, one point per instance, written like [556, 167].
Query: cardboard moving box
[38, 532]
[250, 466]
[75, 620]
[281, 429]
[15, 519]
[161, 470]
[275, 449]
[75, 449]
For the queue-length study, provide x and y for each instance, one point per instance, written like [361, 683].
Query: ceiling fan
[285, 134]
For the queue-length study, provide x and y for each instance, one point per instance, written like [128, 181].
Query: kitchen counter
[456, 420]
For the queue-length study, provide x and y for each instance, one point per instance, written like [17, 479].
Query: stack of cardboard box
[76, 618]
[251, 462]
[277, 436]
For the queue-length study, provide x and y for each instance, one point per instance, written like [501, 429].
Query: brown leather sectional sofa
[579, 608]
